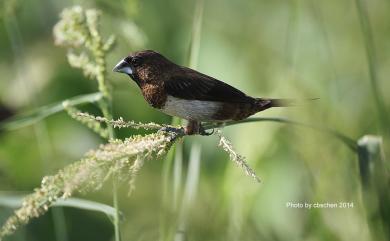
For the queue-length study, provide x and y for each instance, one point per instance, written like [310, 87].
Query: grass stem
[116, 207]
[106, 107]
[372, 64]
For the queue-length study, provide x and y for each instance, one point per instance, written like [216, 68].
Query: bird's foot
[196, 128]
[203, 132]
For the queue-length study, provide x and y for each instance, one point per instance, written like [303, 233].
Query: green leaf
[41, 113]
[15, 201]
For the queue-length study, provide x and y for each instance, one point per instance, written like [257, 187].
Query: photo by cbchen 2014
[157, 120]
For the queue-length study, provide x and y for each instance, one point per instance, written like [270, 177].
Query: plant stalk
[106, 107]
[372, 65]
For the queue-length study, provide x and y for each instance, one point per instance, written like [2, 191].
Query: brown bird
[188, 94]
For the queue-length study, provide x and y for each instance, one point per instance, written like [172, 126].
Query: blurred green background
[281, 49]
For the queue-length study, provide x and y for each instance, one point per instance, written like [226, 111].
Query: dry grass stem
[120, 123]
[89, 173]
[236, 158]
[89, 122]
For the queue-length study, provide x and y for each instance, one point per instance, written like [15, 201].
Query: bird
[186, 93]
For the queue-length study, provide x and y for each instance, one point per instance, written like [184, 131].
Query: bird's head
[143, 66]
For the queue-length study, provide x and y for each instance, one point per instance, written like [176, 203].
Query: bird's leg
[195, 127]
[192, 127]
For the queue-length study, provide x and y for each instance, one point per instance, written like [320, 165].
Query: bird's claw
[203, 132]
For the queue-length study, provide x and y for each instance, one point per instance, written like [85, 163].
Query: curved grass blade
[16, 202]
[345, 139]
[34, 116]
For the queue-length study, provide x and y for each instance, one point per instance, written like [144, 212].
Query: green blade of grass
[87, 205]
[372, 64]
[195, 35]
[177, 176]
[41, 113]
[15, 201]
[345, 139]
[190, 192]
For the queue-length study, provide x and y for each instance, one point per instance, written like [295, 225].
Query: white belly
[191, 109]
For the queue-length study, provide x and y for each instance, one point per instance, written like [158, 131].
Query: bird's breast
[154, 95]
[191, 109]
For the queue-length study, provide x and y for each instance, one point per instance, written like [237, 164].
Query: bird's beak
[123, 67]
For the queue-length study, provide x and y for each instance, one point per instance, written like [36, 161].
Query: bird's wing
[192, 85]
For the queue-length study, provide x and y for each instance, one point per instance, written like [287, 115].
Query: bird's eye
[135, 61]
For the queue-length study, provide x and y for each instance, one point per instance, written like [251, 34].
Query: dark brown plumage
[186, 93]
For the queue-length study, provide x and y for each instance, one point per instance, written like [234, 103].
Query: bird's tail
[264, 103]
